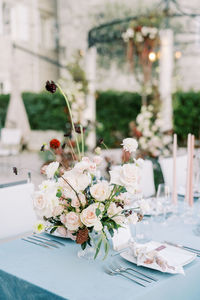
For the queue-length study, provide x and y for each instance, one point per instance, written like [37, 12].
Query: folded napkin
[152, 255]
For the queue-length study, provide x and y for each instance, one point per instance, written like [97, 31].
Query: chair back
[181, 170]
[10, 136]
[146, 180]
[147, 185]
[16, 210]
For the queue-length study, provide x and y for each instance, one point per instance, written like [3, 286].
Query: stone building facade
[37, 36]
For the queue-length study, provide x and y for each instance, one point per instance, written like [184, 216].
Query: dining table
[31, 272]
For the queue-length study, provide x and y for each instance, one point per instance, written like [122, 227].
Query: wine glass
[163, 201]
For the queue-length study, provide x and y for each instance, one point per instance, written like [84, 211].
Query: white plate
[181, 192]
[55, 233]
[180, 256]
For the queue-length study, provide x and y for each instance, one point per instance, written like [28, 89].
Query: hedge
[4, 99]
[114, 112]
[186, 107]
[45, 111]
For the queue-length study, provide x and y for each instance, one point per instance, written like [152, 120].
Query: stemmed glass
[163, 201]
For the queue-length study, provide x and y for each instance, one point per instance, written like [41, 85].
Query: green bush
[186, 107]
[4, 99]
[114, 112]
[45, 110]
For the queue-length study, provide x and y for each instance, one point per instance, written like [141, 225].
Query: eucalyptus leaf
[98, 212]
[106, 248]
[98, 247]
[111, 231]
[53, 229]
[83, 246]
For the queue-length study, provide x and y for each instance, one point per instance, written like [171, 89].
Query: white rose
[81, 166]
[139, 162]
[133, 219]
[71, 221]
[49, 185]
[127, 176]
[39, 201]
[100, 191]
[51, 169]
[88, 215]
[130, 145]
[58, 210]
[97, 160]
[115, 213]
[126, 198]
[77, 180]
[45, 203]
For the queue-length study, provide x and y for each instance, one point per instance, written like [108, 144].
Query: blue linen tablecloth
[31, 272]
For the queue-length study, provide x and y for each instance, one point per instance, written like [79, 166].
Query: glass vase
[89, 252]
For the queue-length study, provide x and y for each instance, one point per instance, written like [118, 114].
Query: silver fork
[42, 242]
[123, 270]
[112, 273]
[48, 239]
[136, 271]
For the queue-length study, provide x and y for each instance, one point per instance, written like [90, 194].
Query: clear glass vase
[89, 252]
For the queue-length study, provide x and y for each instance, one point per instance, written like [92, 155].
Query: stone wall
[78, 17]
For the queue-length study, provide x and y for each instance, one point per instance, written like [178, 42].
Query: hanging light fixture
[152, 56]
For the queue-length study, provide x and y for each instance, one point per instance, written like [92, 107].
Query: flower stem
[82, 139]
[70, 113]
[72, 150]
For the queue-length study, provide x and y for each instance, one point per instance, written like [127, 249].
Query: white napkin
[155, 256]
[121, 238]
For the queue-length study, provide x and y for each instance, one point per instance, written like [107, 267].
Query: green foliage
[45, 110]
[4, 100]
[114, 112]
[186, 107]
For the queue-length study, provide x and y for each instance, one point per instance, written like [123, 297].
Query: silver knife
[36, 243]
[184, 247]
[42, 242]
[48, 239]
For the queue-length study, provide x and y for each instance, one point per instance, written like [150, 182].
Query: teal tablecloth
[31, 272]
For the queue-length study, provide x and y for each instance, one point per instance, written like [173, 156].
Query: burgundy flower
[63, 145]
[54, 144]
[15, 171]
[51, 86]
[100, 141]
[42, 148]
[78, 128]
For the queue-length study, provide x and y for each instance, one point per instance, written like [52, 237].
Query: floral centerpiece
[77, 202]
[152, 140]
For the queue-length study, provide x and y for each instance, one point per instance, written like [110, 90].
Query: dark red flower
[42, 148]
[54, 144]
[100, 141]
[51, 86]
[63, 145]
[15, 171]
[78, 128]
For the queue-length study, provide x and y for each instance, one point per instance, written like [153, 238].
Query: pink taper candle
[191, 199]
[188, 169]
[174, 195]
